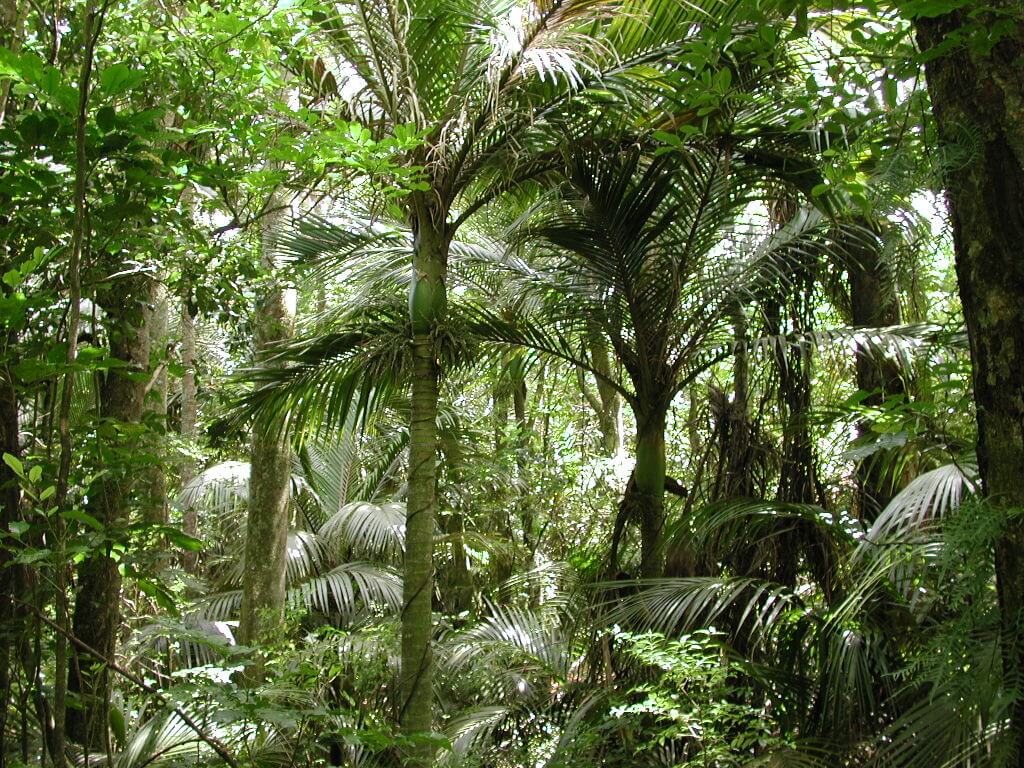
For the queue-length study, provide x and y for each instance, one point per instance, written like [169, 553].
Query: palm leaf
[370, 530]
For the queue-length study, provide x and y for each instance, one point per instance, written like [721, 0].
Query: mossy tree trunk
[427, 306]
[606, 404]
[270, 468]
[650, 489]
[977, 95]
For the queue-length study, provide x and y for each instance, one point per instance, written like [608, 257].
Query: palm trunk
[427, 303]
[978, 101]
[266, 533]
[97, 613]
[645, 496]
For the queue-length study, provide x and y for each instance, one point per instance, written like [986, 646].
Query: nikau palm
[479, 80]
[627, 246]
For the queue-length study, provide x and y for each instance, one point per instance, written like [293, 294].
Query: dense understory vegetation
[512, 383]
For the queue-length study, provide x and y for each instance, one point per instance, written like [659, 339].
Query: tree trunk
[270, 467]
[189, 413]
[733, 424]
[608, 402]
[873, 303]
[427, 305]
[10, 504]
[97, 615]
[978, 101]
[155, 510]
[644, 500]
[517, 372]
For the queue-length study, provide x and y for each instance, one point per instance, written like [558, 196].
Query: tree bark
[734, 477]
[270, 468]
[97, 615]
[608, 403]
[644, 499]
[427, 306]
[155, 510]
[977, 95]
[189, 414]
[127, 306]
[873, 303]
[10, 509]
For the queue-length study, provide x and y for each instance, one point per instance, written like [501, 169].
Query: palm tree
[630, 247]
[480, 81]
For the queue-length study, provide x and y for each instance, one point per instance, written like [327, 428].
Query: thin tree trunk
[189, 413]
[10, 504]
[155, 510]
[97, 605]
[427, 305]
[873, 303]
[978, 101]
[266, 534]
[607, 404]
[499, 406]
[523, 502]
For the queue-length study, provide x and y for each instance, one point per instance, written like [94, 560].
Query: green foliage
[641, 201]
[699, 702]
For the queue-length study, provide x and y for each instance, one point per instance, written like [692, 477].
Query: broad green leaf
[105, 118]
[15, 464]
[83, 517]
[118, 79]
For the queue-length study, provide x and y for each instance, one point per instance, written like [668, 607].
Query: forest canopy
[512, 383]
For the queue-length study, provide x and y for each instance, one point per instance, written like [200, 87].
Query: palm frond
[370, 530]
[520, 637]
[343, 592]
[925, 499]
[348, 588]
[165, 739]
